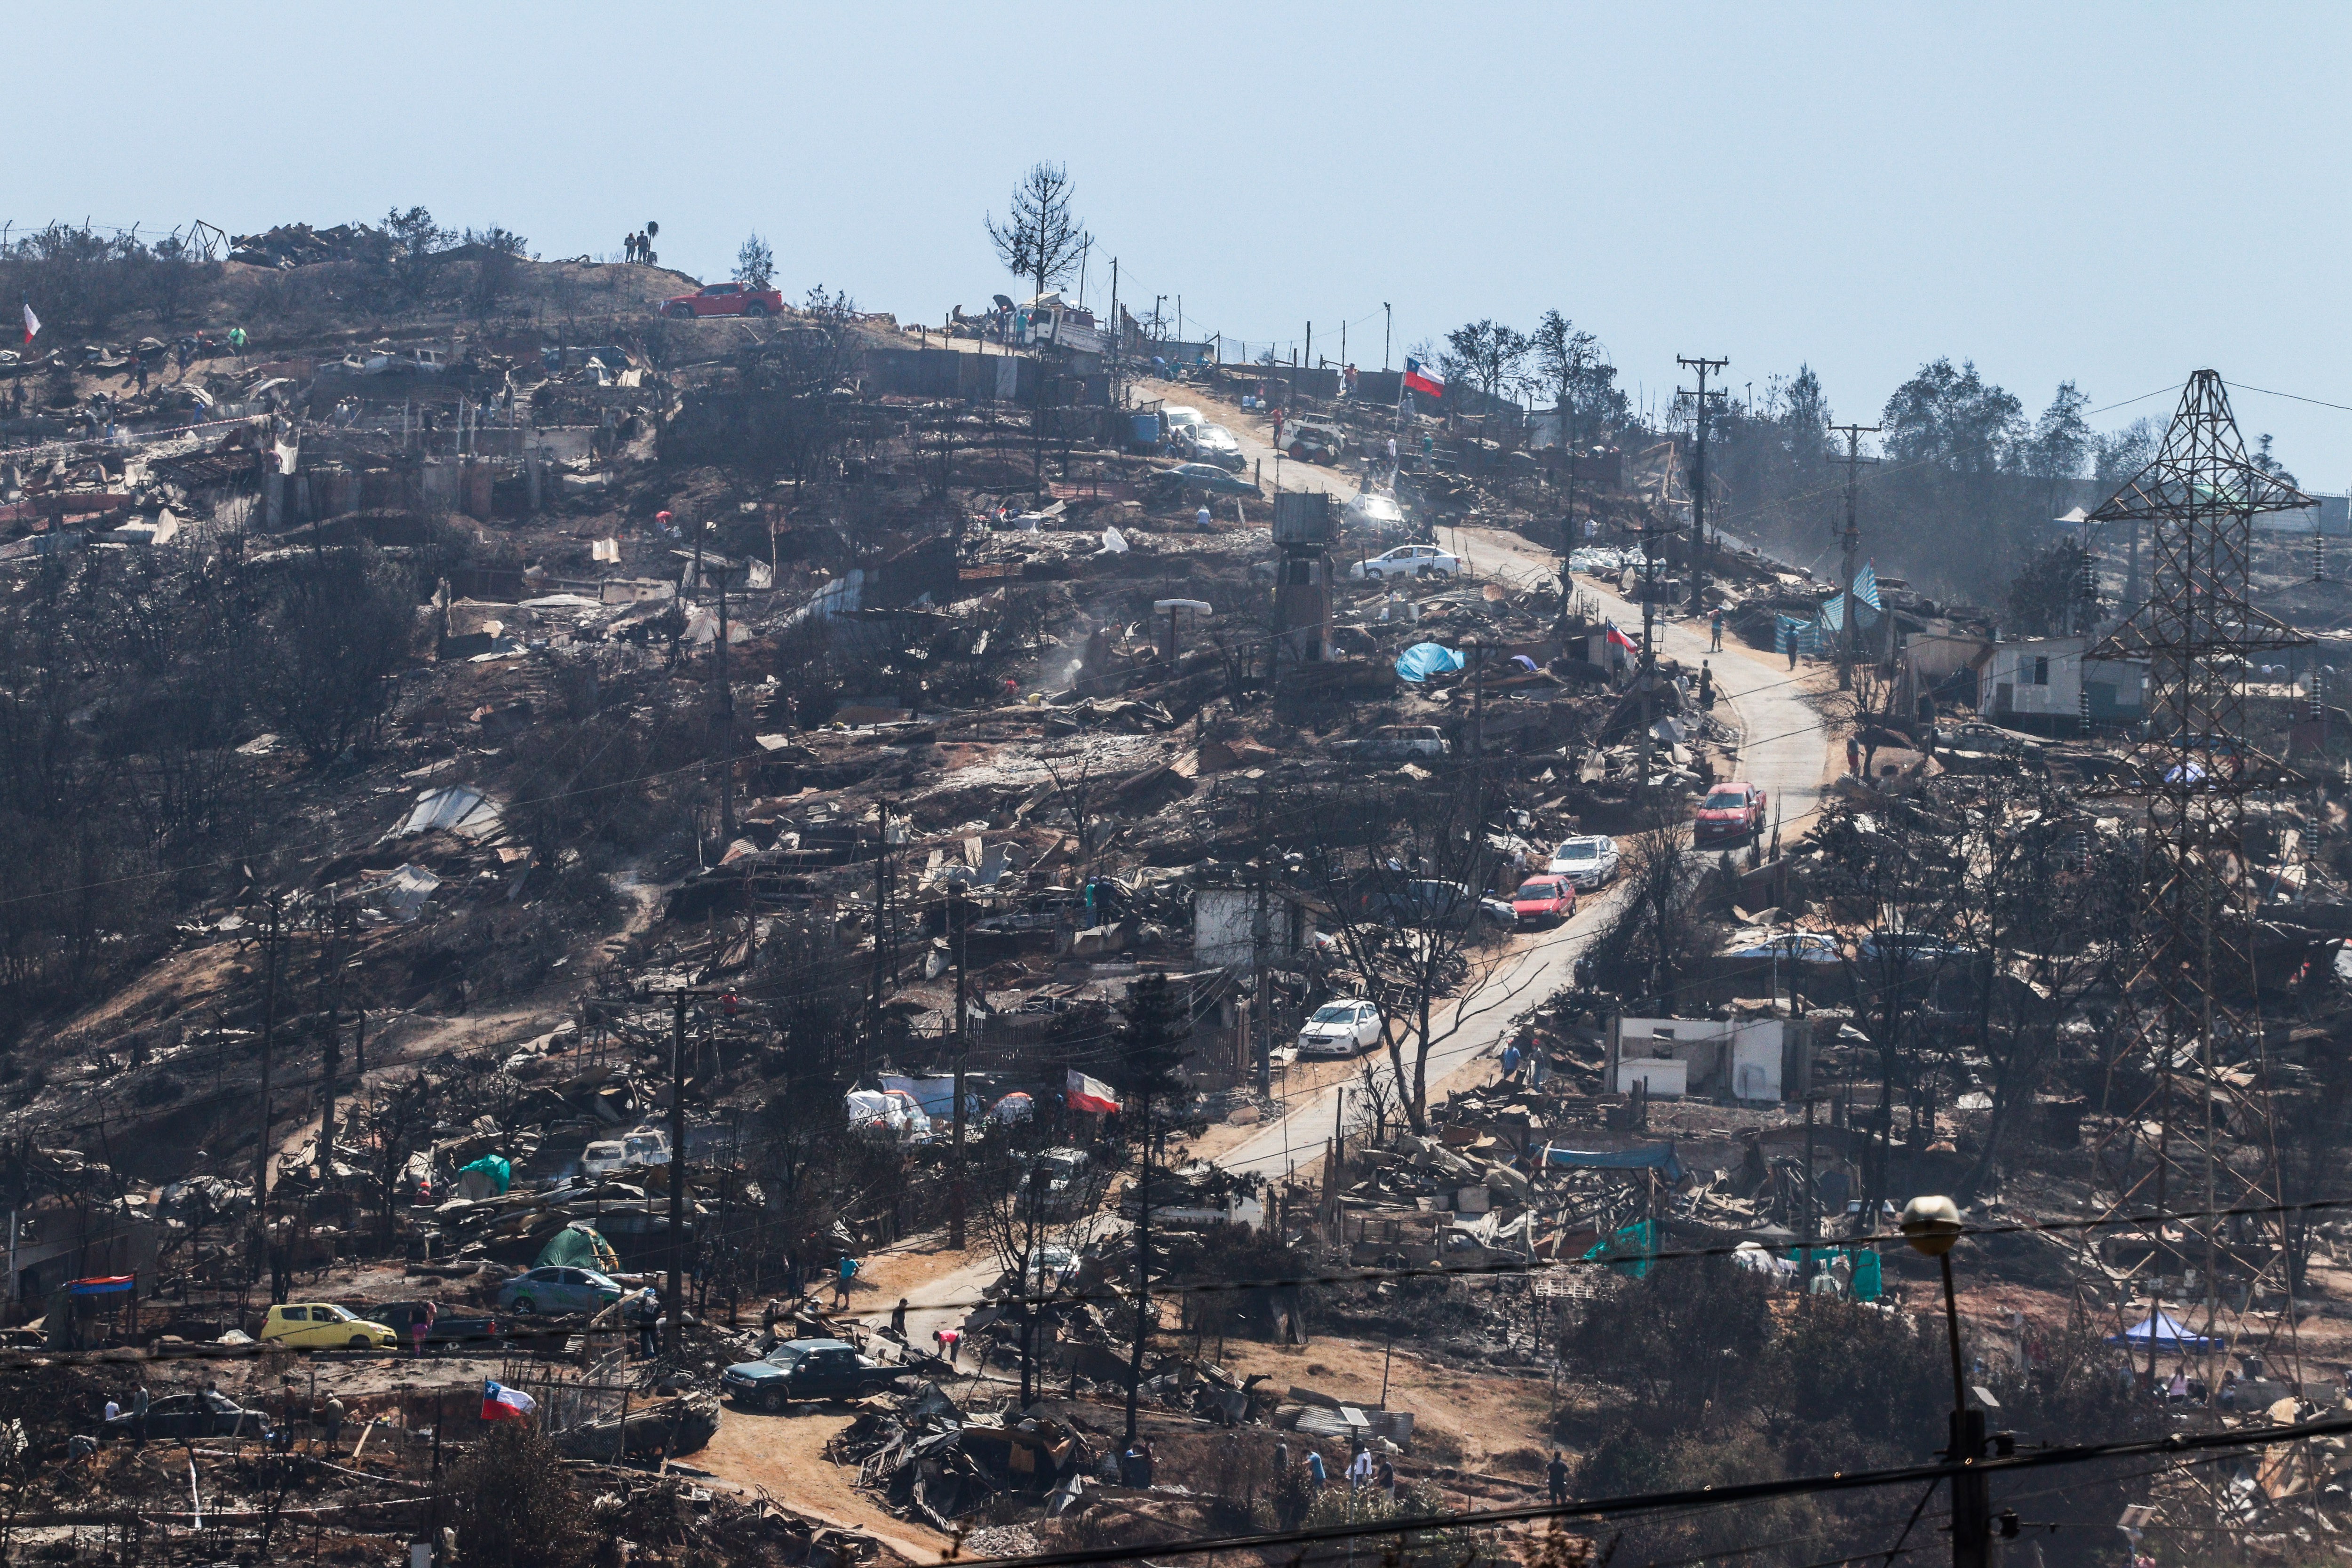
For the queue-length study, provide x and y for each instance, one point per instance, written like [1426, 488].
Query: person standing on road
[1557, 1473]
[1706, 680]
[1792, 650]
[848, 1271]
[898, 1320]
[1852, 754]
[1715, 631]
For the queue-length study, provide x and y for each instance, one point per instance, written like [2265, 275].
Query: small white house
[1756, 1060]
[1224, 920]
[2046, 677]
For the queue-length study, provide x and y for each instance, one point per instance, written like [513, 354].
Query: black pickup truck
[449, 1328]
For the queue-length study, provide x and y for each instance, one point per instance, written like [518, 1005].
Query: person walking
[420, 1329]
[1706, 683]
[1792, 648]
[1557, 1474]
[1384, 1479]
[1715, 632]
[898, 1320]
[648, 1316]
[1360, 1469]
[1511, 1063]
[847, 1272]
[1852, 754]
[1316, 1475]
[139, 1399]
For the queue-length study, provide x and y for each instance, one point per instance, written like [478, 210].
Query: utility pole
[1388, 320]
[1307, 360]
[1650, 558]
[1114, 331]
[273, 959]
[674, 1300]
[331, 1062]
[882, 965]
[1698, 480]
[958, 916]
[726, 717]
[1262, 1009]
[1851, 540]
[1343, 346]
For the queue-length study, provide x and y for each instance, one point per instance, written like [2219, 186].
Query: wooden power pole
[1850, 539]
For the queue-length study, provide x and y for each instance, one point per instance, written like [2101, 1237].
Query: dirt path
[783, 1456]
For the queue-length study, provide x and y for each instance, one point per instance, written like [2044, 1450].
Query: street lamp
[1931, 1224]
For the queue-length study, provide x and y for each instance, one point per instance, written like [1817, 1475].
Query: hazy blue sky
[2117, 193]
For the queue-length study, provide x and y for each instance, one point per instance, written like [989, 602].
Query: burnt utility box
[1303, 520]
[1304, 526]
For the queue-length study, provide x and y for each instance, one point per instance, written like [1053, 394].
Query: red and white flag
[32, 322]
[501, 1403]
[1620, 639]
[1418, 377]
[1091, 1094]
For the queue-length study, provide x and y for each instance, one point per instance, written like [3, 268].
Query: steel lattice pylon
[2190, 1074]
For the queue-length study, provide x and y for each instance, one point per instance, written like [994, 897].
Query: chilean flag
[501, 1403]
[1620, 639]
[32, 323]
[1091, 1094]
[1418, 377]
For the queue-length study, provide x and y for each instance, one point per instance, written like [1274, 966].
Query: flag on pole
[1091, 1094]
[501, 1403]
[1620, 639]
[32, 322]
[1418, 377]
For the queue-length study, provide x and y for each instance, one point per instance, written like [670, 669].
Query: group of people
[638, 250]
[1364, 1472]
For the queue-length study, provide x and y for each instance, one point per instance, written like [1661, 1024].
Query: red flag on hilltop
[1418, 377]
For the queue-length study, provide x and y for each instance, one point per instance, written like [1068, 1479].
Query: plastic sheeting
[1659, 1157]
[579, 1245]
[1424, 660]
[462, 810]
[494, 1166]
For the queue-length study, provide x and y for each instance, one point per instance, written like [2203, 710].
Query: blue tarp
[1788, 630]
[1658, 1157]
[111, 1285]
[1423, 660]
[2167, 1334]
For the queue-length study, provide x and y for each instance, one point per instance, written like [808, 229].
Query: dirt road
[1786, 750]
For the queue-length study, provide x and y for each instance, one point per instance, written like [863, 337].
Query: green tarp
[494, 1166]
[578, 1247]
[1869, 1269]
[1629, 1251]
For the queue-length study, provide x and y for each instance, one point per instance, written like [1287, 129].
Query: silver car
[1213, 444]
[1588, 862]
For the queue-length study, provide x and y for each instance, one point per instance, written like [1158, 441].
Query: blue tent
[2164, 1333]
[1423, 660]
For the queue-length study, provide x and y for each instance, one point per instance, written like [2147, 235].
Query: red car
[1542, 900]
[726, 300]
[1732, 813]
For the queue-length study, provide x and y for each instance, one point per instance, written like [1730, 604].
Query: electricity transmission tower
[2189, 1079]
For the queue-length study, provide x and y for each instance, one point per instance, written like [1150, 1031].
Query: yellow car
[322, 1325]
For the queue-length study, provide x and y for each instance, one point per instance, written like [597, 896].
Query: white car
[643, 1146]
[1407, 561]
[1587, 862]
[1342, 1028]
[1213, 444]
[1373, 511]
[1180, 418]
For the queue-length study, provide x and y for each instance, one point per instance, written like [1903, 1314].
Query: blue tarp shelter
[494, 1166]
[1659, 1157]
[1423, 660]
[2164, 1330]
